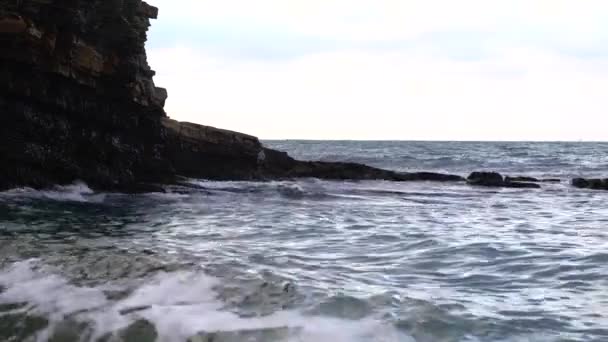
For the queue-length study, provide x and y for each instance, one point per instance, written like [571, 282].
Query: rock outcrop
[494, 179]
[593, 184]
[76, 95]
[531, 179]
[207, 152]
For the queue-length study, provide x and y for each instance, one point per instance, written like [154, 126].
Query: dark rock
[70, 331]
[131, 310]
[430, 176]
[21, 326]
[522, 185]
[594, 184]
[486, 179]
[531, 179]
[353, 171]
[580, 183]
[494, 179]
[206, 152]
[140, 331]
[143, 188]
[77, 97]
[522, 179]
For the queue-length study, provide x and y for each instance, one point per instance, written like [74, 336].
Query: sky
[386, 69]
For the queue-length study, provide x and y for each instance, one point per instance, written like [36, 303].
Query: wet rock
[131, 310]
[70, 331]
[20, 327]
[431, 176]
[280, 165]
[140, 331]
[207, 152]
[580, 183]
[353, 171]
[495, 179]
[521, 179]
[345, 307]
[594, 184]
[141, 188]
[531, 179]
[77, 97]
[523, 185]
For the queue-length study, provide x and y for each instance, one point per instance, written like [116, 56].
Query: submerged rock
[140, 331]
[20, 326]
[264, 334]
[522, 179]
[531, 179]
[495, 179]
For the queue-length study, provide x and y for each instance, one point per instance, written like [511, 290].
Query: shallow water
[311, 260]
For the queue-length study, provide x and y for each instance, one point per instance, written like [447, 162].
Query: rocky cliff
[76, 94]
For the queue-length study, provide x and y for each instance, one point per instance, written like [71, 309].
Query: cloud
[365, 20]
[387, 69]
[525, 94]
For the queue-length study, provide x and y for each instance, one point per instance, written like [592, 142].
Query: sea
[313, 261]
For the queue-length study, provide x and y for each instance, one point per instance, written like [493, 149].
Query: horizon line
[436, 140]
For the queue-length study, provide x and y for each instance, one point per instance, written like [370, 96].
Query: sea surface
[316, 261]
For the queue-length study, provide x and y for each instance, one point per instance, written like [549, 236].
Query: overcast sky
[387, 69]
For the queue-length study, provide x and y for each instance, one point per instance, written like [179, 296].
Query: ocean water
[312, 260]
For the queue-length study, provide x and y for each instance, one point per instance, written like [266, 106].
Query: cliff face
[77, 100]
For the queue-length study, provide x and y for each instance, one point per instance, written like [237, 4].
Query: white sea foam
[76, 192]
[180, 305]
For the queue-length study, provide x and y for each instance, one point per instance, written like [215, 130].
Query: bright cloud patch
[390, 69]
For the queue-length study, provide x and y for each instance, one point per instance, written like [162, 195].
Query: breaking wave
[171, 306]
[76, 192]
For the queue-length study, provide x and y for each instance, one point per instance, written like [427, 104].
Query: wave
[172, 306]
[301, 189]
[76, 192]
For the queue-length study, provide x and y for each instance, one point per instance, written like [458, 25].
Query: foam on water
[76, 192]
[180, 305]
[308, 188]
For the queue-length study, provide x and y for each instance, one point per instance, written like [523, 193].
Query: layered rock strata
[77, 100]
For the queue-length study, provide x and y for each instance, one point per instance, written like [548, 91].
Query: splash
[179, 306]
[76, 192]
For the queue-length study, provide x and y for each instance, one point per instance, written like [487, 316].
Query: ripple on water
[318, 261]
